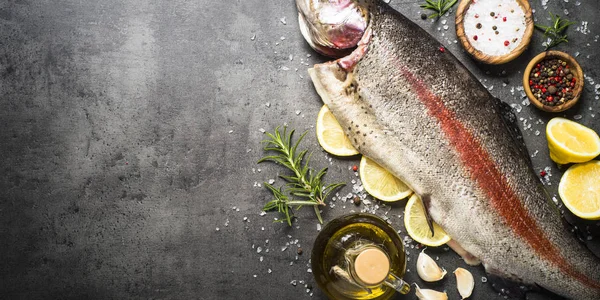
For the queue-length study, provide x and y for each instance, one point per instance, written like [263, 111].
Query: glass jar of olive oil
[359, 256]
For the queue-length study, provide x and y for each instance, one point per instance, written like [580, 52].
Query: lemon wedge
[380, 183]
[571, 142]
[417, 227]
[579, 189]
[331, 136]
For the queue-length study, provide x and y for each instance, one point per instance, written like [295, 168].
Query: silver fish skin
[412, 107]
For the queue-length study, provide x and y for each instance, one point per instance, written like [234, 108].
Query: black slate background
[130, 133]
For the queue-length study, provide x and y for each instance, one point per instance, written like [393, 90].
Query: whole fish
[411, 106]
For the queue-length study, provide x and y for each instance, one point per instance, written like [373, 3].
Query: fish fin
[506, 286]
[469, 258]
[510, 121]
[425, 200]
[541, 293]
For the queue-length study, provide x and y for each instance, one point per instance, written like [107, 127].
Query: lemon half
[331, 136]
[380, 183]
[579, 189]
[571, 142]
[417, 227]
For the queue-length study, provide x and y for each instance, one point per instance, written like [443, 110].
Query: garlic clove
[428, 269]
[430, 294]
[464, 282]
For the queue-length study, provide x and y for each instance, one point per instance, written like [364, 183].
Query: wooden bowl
[575, 70]
[461, 11]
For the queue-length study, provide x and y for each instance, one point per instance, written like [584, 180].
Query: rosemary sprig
[439, 6]
[304, 187]
[555, 33]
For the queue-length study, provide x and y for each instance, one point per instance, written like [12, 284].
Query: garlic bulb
[430, 294]
[428, 269]
[464, 282]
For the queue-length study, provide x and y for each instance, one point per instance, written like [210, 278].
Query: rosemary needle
[303, 187]
[439, 6]
[555, 33]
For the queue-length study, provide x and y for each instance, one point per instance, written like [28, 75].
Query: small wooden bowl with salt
[494, 32]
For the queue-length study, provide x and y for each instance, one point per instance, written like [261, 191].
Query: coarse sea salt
[506, 16]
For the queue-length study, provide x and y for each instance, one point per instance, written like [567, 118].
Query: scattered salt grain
[230, 131]
[269, 271]
[261, 259]
[484, 279]
[284, 68]
[217, 229]
[309, 270]
[262, 130]
[253, 37]
[318, 227]
[262, 213]
[283, 21]
[268, 104]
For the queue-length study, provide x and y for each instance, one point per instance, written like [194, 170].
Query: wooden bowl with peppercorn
[494, 32]
[553, 81]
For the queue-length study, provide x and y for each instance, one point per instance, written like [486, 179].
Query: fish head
[332, 27]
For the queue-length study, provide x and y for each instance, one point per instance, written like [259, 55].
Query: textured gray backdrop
[130, 135]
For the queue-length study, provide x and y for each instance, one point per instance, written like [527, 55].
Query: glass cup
[359, 256]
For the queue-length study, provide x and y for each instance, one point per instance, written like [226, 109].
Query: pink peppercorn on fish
[411, 106]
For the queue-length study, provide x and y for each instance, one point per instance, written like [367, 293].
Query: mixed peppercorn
[552, 82]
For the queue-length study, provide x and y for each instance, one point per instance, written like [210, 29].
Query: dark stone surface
[131, 129]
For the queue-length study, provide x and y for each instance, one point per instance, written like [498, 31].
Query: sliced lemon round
[331, 136]
[380, 183]
[417, 227]
[571, 142]
[579, 189]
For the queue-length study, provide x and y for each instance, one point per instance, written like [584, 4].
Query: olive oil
[344, 239]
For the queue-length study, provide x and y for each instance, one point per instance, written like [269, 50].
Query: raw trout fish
[411, 106]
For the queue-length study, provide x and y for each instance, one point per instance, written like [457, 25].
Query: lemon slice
[571, 142]
[380, 183]
[331, 136]
[417, 227]
[579, 189]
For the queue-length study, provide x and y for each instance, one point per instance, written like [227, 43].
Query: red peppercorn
[544, 90]
[550, 98]
[476, 16]
[355, 168]
[557, 78]
[506, 43]
[504, 19]
[537, 66]
[543, 173]
[442, 49]
[572, 84]
[573, 80]
[530, 82]
[475, 37]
